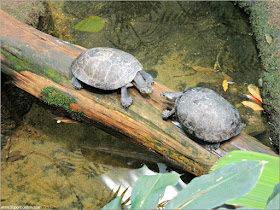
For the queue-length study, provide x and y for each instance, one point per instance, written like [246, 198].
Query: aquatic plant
[211, 190]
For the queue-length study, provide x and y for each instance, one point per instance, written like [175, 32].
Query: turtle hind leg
[147, 77]
[213, 146]
[76, 84]
[167, 113]
[125, 99]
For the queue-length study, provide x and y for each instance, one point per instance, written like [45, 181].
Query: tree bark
[40, 64]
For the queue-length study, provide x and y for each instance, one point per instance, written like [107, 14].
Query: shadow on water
[182, 44]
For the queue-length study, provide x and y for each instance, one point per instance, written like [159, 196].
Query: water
[171, 39]
[63, 165]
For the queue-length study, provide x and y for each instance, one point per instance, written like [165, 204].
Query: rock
[264, 17]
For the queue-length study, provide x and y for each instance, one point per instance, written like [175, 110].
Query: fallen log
[40, 65]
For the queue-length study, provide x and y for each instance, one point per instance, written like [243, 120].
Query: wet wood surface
[37, 61]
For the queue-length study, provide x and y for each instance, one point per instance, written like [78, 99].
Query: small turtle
[110, 69]
[204, 114]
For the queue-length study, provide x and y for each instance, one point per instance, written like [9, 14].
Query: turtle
[110, 69]
[204, 114]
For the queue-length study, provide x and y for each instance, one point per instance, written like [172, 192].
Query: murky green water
[179, 43]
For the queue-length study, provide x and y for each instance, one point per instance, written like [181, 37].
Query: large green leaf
[257, 198]
[114, 204]
[214, 189]
[149, 189]
[90, 24]
[273, 200]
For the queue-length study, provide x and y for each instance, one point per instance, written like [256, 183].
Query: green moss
[55, 97]
[55, 76]
[77, 115]
[264, 23]
[17, 63]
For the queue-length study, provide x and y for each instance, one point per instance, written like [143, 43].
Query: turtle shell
[207, 115]
[105, 68]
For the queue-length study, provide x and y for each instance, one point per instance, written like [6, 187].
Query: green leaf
[90, 24]
[273, 200]
[214, 189]
[257, 198]
[114, 204]
[149, 189]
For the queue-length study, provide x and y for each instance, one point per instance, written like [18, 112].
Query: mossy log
[40, 64]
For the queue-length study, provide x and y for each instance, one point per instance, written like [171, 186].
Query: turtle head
[146, 89]
[171, 96]
[166, 95]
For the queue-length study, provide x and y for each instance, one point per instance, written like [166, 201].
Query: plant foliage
[226, 181]
[149, 189]
[273, 200]
[257, 198]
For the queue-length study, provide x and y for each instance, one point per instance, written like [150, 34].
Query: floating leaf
[201, 69]
[238, 105]
[252, 105]
[228, 182]
[254, 99]
[227, 77]
[225, 85]
[254, 90]
[90, 24]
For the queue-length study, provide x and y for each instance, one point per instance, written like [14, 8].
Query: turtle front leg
[125, 99]
[167, 113]
[141, 85]
[76, 84]
[147, 77]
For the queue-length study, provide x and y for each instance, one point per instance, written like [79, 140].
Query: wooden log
[40, 65]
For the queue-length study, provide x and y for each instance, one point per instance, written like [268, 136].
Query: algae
[54, 75]
[16, 62]
[55, 97]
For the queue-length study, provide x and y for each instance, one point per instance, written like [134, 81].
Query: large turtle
[204, 114]
[110, 69]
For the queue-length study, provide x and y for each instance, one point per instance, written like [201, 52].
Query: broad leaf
[149, 189]
[114, 204]
[214, 189]
[90, 24]
[257, 198]
[273, 200]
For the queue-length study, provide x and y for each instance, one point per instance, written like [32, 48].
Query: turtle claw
[147, 77]
[165, 114]
[126, 102]
[213, 146]
[76, 84]
[150, 81]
